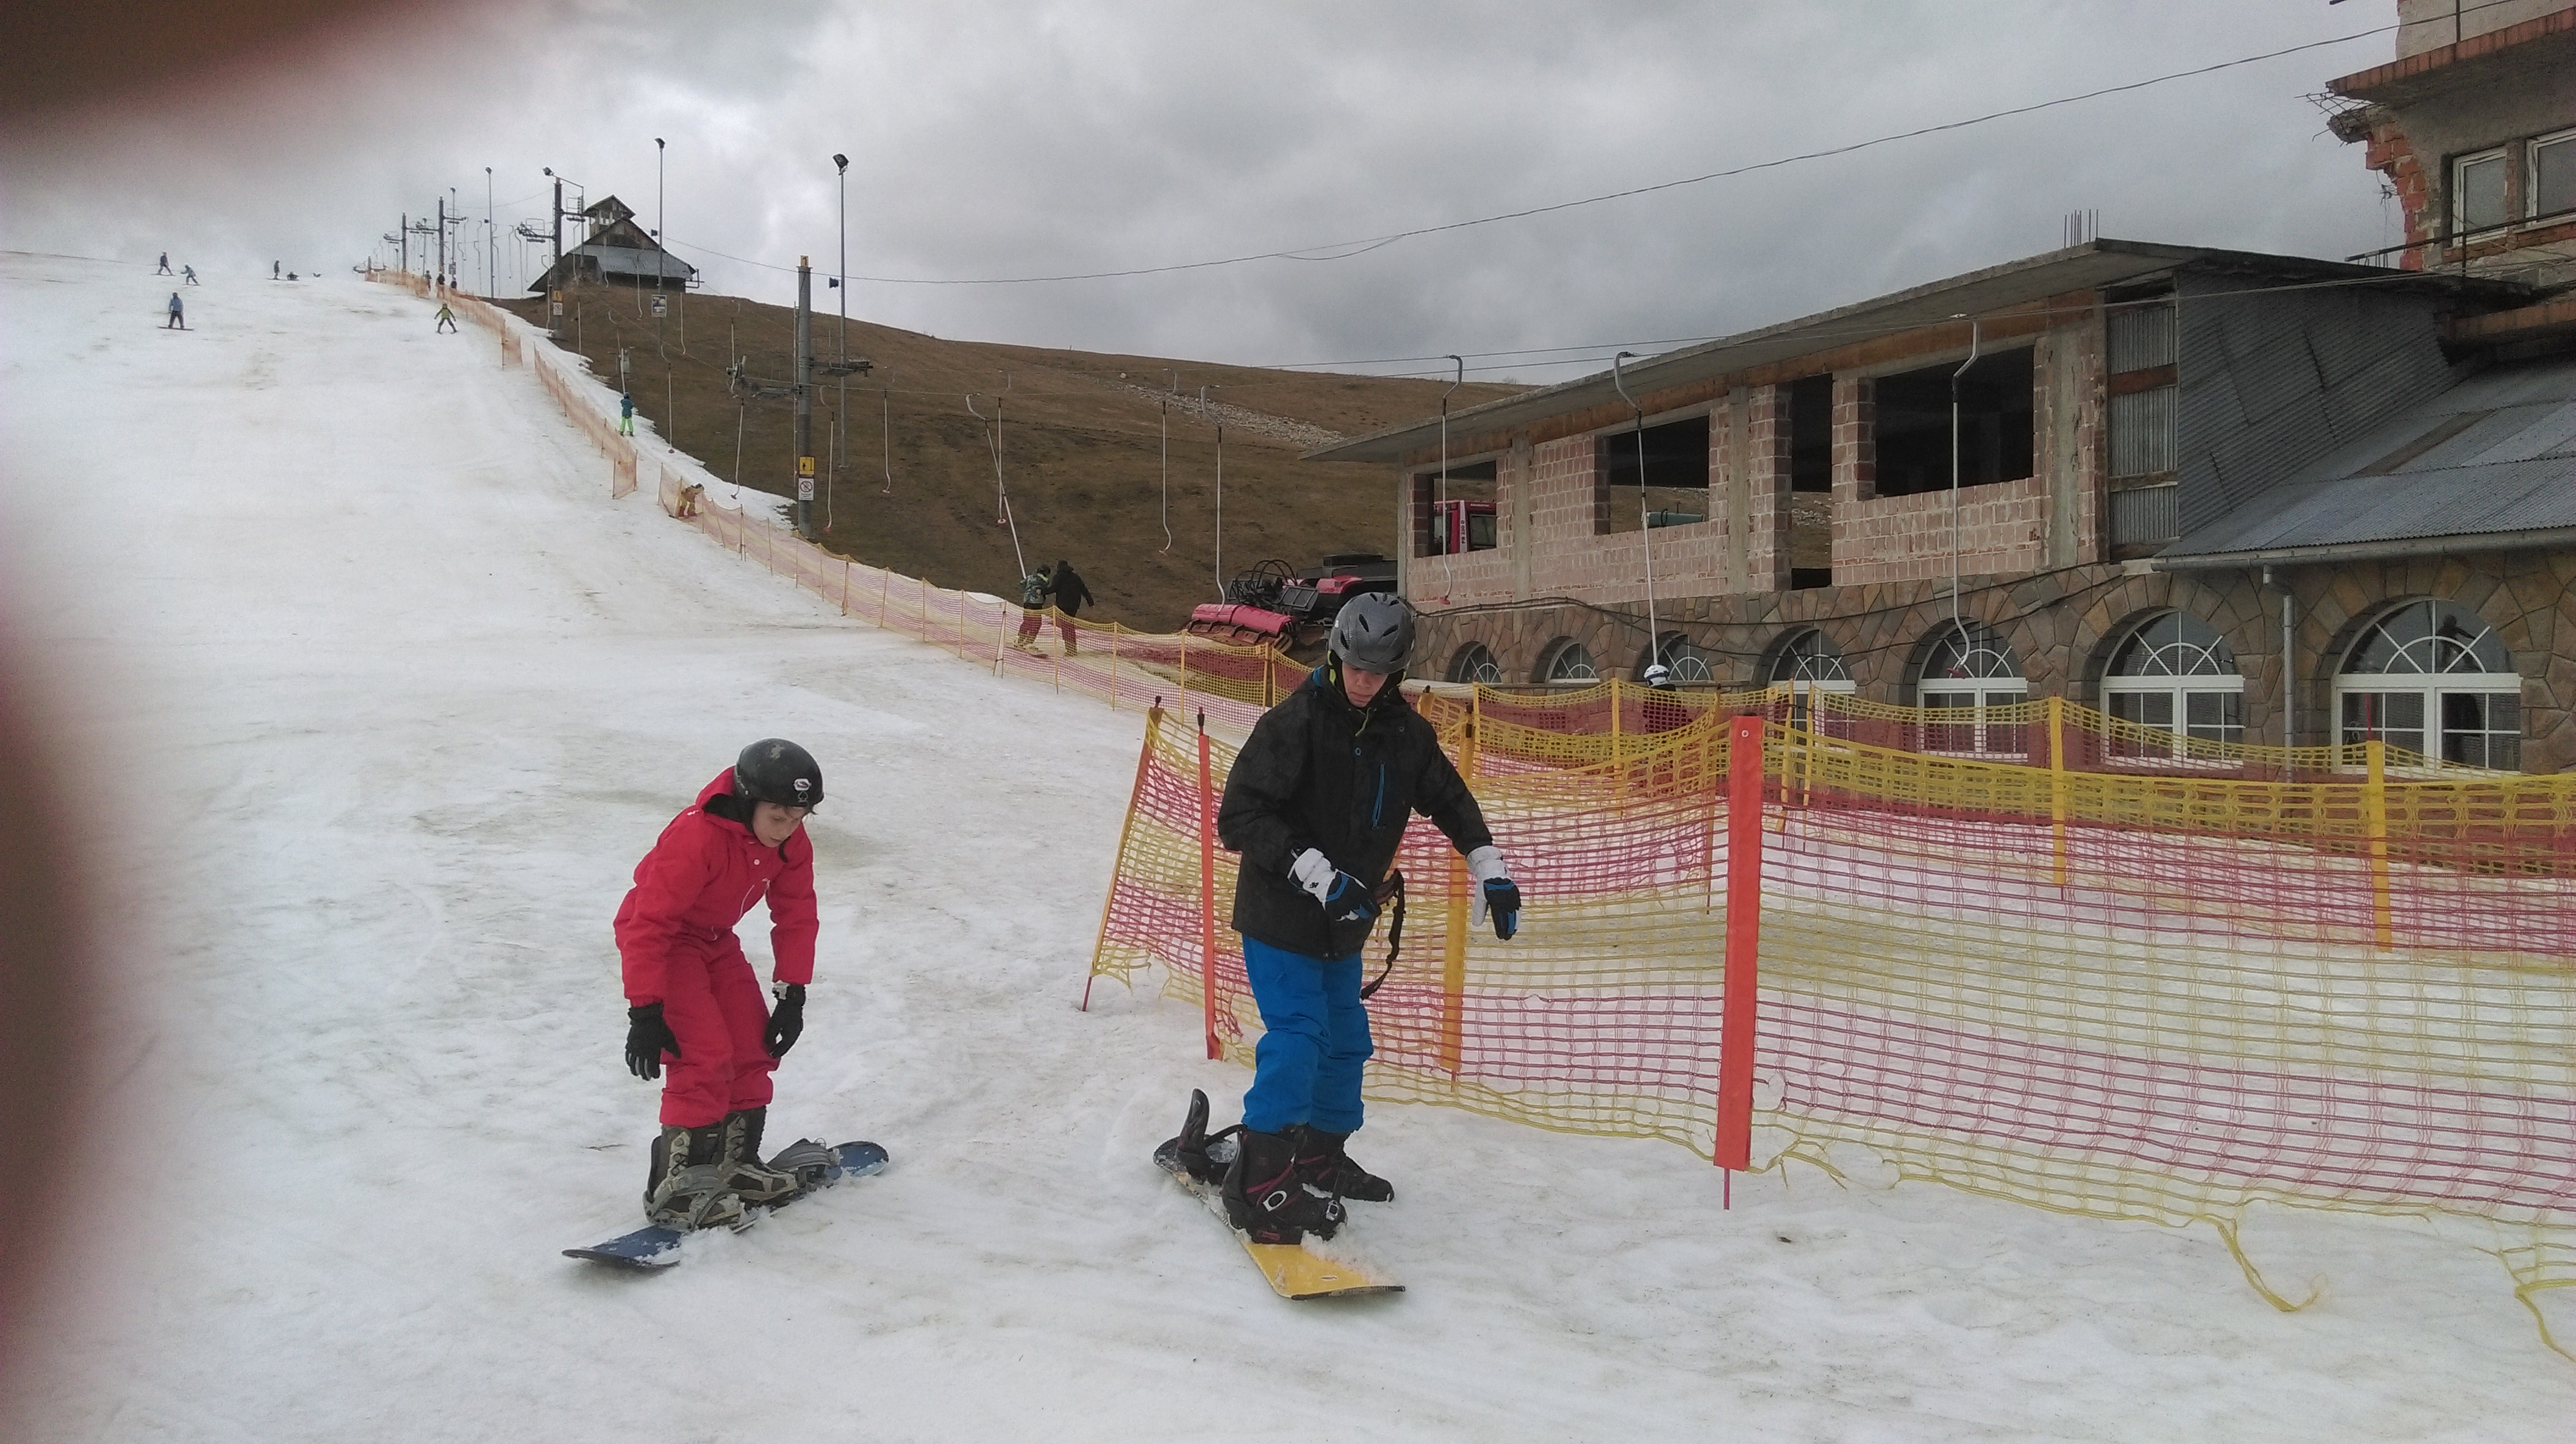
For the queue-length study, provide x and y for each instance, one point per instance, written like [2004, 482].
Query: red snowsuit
[676, 945]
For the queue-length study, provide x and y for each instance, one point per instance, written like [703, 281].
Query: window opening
[1968, 672]
[2552, 186]
[1676, 475]
[1466, 521]
[1571, 665]
[1811, 434]
[2176, 675]
[1912, 430]
[1475, 663]
[2432, 678]
[2477, 192]
[1807, 664]
[1689, 665]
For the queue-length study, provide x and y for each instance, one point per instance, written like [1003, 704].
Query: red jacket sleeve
[650, 924]
[791, 915]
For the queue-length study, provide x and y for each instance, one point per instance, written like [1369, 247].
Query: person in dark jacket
[1317, 804]
[1071, 596]
[694, 1006]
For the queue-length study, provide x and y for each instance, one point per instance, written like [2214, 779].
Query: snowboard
[656, 1247]
[1294, 1270]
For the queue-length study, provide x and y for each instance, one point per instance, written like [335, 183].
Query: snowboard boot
[1264, 1197]
[749, 1179]
[1325, 1169]
[687, 1189]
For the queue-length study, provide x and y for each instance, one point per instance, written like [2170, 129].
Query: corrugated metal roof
[2501, 458]
[2088, 266]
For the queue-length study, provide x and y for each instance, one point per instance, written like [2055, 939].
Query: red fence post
[1207, 894]
[1743, 935]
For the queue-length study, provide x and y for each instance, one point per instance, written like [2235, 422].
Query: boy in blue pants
[1317, 804]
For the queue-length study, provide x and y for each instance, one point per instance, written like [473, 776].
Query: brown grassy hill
[1081, 449]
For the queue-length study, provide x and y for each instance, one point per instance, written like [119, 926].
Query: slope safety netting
[2163, 998]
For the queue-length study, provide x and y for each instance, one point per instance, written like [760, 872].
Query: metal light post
[491, 241]
[841, 283]
[661, 259]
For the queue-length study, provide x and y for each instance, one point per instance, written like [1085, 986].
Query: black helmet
[777, 770]
[1374, 632]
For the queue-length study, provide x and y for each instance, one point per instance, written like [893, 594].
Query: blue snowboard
[656, 1247]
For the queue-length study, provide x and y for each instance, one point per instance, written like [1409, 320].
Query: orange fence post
[1126, 829]
[1207, 894]
[1113, 666]
[1453, 952]
[2374, 811]
[1734, 1150]
[2057, 781]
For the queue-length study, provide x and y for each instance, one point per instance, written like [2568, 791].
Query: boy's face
[1361, 685]
[774, 823]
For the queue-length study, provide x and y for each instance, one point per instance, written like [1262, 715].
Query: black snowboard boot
[1323, 1167]
[749, 1179]
[1265, 1198]
[687, 1187]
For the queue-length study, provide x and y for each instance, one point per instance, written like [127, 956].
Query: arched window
[1968, 670]
[2432, 678]
[1807, 661]
[1689, 665]
[1475, 663]
[1569, 665]
[2174, 673]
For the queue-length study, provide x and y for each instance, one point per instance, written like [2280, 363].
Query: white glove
[1483, 865]
[1315, 873]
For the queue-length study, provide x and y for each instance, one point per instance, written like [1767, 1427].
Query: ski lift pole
[1448, 544]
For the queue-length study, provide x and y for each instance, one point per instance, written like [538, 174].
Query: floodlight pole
[804, 399]
[1645, 522]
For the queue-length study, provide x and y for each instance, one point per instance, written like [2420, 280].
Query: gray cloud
[1011, 140]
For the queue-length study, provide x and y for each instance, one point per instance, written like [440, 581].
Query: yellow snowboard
[1295, 1271]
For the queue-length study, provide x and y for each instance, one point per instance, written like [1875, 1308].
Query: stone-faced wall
[2063, 626]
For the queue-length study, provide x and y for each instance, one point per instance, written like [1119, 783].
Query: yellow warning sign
[804, 466]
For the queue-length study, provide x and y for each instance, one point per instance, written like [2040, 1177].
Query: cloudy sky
[989, 142]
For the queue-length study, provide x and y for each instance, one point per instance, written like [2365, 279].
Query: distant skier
[1033, 599]
[446, 319]
[694, 1002]
[1071, 596]
[626, 413]
[165, 265]
[188, 274]
[178, 315]
[1317, 803]
[276, 270]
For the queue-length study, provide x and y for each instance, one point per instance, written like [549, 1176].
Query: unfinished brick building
[2234, 497]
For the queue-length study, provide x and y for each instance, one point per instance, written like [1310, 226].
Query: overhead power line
[1344, 250]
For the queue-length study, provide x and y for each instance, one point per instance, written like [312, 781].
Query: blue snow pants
[1306, 1068]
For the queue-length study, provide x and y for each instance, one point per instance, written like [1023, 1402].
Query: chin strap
[1389, 895]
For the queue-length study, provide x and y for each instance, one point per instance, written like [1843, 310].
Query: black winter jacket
[1321, 773]
[1071, 596]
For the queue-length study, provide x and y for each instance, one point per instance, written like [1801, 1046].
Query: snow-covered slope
[394, 697]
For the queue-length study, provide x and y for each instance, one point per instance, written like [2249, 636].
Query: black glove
[1503, 904]
[786, 1020]
[647, 1039]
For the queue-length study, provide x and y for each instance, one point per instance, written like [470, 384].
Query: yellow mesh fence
[2163, 997]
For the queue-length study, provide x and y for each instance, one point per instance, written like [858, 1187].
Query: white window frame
[2460, 229]
[1982, 692]
[2180, 687]
[2430, 687]
[1488, 673]
[2531, 150]
[1591, 676]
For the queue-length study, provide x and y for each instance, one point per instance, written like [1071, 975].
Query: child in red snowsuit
[695, 1008]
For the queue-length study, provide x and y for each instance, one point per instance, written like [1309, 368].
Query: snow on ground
[395, 697]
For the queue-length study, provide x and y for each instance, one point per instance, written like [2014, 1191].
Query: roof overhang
[2016, 284]
[2543, 45]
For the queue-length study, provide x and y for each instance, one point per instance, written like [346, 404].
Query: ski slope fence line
[2149, 998]
[1234, 684]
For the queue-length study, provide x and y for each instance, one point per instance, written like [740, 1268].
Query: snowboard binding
[1203, 1156]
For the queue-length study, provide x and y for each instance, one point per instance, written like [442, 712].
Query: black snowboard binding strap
[1390, 895]
[1206, 1156]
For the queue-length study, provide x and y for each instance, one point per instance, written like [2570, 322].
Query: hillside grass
[1082, 452]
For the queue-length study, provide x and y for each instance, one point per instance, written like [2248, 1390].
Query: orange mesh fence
[2163, 998]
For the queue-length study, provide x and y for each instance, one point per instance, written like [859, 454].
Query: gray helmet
[777, 770]
[1374, 632]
